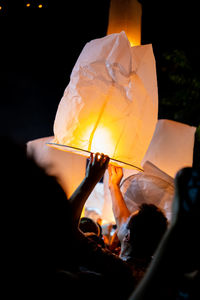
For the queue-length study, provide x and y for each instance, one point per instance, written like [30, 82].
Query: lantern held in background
[126, 16]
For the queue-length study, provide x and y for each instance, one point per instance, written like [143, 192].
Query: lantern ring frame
[86, 153]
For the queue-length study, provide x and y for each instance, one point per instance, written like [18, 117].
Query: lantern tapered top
[126, 15]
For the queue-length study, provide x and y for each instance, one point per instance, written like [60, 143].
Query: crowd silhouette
[47, 247]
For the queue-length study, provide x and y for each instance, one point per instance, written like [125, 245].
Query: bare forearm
[94, 172]
[80, 196]
[120, 210]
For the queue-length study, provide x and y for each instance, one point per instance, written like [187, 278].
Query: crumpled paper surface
[110, 104]
[153, 187]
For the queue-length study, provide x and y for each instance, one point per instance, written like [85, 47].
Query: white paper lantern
[68, 168]
[171, 147]
[110, 104]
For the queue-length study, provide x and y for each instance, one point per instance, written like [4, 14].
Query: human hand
[97, 165]
[115, 175]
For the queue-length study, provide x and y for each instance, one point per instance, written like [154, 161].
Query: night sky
[39, 48]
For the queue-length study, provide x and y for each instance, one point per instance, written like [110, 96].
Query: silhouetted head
[88, 225]
[145, 229]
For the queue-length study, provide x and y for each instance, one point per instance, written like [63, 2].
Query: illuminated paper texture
[110, 104]
[68, 168]
[171, 147]
[153, 186]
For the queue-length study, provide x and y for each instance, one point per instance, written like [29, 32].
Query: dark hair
[88, 225]
[146, 230]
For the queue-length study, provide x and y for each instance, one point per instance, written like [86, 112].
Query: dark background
[39, 47]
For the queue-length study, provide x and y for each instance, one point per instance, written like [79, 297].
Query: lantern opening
[86, 153]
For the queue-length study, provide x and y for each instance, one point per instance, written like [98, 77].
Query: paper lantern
[151, 186]
[110, 104]
[168, 149]
[68, 168]
[167, 153]
[126, 16]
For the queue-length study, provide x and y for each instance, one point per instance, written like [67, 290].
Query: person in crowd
[33, 224]
[174, 273]
[88, 225]
[40, 236]
[92, 229]
[43, 250]
[139, 232]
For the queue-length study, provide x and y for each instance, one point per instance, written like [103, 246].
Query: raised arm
[120, 210]
[95, 170]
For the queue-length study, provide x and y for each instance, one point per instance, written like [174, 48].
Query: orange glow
[108, 107]
[0, 7]
[102, 141]
[126, 16]
[100, 131]
[40, 5]
[83, 212]
[28, 5]
[98, 156]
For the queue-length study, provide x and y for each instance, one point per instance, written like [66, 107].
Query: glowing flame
[102, 141]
